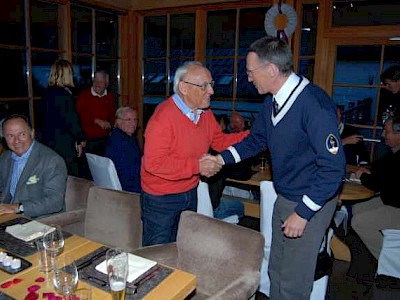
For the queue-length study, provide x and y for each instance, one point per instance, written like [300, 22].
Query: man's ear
[272, 70]
[182, 87]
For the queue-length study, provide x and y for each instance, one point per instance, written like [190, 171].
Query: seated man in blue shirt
[32, 176]
[123, 149]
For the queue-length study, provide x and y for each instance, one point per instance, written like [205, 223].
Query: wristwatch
[19, 209]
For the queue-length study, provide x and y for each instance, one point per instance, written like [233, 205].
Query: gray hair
[120, 111]
[182, 71]
[273, 50]
[104, 73]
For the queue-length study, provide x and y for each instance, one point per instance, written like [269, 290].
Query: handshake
[210, 165]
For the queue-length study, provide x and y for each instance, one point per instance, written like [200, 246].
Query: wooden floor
[348, 282]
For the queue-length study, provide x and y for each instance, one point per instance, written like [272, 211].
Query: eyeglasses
[250, 72]
[203, 86]
[129, 119]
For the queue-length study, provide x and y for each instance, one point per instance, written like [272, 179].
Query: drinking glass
[65, 278]
[117, 271]
[53, 241]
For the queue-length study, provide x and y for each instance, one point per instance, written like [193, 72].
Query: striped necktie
[275, 106]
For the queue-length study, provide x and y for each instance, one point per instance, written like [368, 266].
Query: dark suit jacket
[41, 187]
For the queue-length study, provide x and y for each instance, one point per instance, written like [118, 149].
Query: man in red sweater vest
[177, 139]
[96, 108]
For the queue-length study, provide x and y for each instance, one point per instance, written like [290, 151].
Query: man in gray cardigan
[32, 176]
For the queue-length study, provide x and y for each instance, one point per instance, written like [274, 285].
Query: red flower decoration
[6, 284]
[40, 279]
[17, 280]
[33, 288]
[32, 296]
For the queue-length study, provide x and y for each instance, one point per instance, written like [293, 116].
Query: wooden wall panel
[145, 5]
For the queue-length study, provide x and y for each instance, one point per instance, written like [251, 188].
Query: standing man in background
[96, 108]
[177, 138]
[298, 125]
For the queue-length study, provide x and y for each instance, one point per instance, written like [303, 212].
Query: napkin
[137, 266]
[28, 231]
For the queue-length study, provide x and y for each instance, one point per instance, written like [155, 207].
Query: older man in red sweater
[177, 139]
[96, 108]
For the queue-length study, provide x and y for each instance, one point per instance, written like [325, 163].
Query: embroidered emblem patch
[332, 144]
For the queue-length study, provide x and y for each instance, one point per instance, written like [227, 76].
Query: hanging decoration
[271, 16]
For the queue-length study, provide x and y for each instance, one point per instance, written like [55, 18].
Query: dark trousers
[161, 215]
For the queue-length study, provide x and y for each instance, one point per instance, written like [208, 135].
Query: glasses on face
[250, 72]
[129, 119]
[203, 86]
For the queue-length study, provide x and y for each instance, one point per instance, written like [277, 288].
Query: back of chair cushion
[216, 251]
[103, 172]
[113, 218]
[77, 193]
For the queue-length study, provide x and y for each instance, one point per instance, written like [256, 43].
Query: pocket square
[32, 180]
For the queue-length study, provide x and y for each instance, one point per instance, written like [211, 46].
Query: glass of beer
[117, 270]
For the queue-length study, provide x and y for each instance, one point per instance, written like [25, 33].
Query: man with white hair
[123, 149]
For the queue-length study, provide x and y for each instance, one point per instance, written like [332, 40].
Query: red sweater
[91, 107]
[173, 146]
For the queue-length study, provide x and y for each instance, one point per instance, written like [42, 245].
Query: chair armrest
[166, 254]
[65, 218]
[241, 288]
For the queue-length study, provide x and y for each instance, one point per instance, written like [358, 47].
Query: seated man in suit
[380, 212]
[123, 149]
[32, 176]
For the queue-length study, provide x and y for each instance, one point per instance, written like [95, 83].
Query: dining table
[352, 190]
[177, 285]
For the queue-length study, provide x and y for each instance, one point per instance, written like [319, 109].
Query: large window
[33, 36]
[357, 89]
[169, 40]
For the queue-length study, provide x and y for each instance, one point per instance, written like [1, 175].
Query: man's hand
[352, 139]
[102, 123]
[294, 226]
[209, 165]
[361, 171]
[8, 208]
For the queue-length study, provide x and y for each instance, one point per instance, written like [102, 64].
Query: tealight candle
[7, 261]
[16, 263]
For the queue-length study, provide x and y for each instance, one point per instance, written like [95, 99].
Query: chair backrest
[204, 205]
[216, 251]
[114, 218]
[76, 193]
[388, 262]
[103, 172]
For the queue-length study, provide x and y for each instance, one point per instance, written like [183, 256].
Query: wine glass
[117, 271]
[53, 241]
[65, 278]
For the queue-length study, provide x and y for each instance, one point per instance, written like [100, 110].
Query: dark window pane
[222, 73]
[82, 72]
[111, 67]
[12, 29]
[358, 64]
[81, 29]
[155, 77]
[182, 35]
[245, 89]
[251, 27]
[309, 30]
[359, 104]
[13, 78]
[44, 29]
[41, 63]
[221, 27]
[306, 68]
[155, 36]
[392, 56]
[15, 107]
[107, 34]
[365, 13]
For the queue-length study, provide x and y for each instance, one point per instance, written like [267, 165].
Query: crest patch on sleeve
[332, 144]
